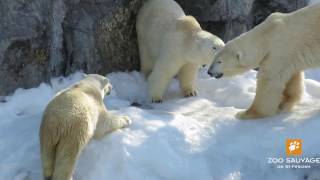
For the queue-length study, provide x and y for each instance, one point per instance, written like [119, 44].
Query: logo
[294, 147]
[294, 158]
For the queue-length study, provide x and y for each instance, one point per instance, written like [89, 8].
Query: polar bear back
[293, 38]
[77, 106]
[156, 22]
[159, 10]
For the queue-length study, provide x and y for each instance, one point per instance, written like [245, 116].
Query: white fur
[282, 47]
[71, 119]
[172, 43]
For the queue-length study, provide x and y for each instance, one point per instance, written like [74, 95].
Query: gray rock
[40, 39]
[230, 18]
[100, 37]
[23, 43]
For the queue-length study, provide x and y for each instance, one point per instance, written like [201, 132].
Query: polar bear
[172, 43]
[282, 47]
[70, 120]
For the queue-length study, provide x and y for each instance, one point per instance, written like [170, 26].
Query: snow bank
[181, 139]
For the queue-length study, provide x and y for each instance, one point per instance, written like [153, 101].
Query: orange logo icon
[294, 147]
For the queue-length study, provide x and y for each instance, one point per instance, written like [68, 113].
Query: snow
[314, 1]
[180, 139]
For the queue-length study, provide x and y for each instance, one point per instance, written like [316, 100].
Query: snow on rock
[180, 139]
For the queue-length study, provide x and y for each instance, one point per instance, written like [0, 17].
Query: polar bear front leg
[187, 78]
[267, 99]
[109, 122]
[146, 62]
[160, 77]
[293, 92]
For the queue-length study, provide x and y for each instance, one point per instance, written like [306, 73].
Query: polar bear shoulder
[188, 24]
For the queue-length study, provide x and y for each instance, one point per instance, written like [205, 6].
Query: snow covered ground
[195, 138]
[181, 139]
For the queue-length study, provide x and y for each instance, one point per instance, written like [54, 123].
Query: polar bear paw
[189, 92]
[126, 121]
[247, 114]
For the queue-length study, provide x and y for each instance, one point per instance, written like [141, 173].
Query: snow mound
[180, 139]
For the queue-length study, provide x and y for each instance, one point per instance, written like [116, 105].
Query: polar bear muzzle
[215, 75]
[214, 70]
[108, 89]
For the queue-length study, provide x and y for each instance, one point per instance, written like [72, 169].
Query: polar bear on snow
[172, 43]
[282, 47]
[70, 120]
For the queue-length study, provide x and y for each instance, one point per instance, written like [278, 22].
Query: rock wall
[230, 18]
[40, 39]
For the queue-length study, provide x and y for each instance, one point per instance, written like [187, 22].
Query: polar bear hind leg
[47, 157]
[187, 78]
[293, 92]
[67, 153]
[267, 99]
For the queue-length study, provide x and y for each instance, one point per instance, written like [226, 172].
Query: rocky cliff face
[230, 18]
[40, 39]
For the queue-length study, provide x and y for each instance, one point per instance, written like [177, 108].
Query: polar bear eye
[219, 62]
[214, 48]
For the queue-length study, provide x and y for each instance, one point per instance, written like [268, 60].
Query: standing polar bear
[172, 43]
[70, 120]
[282, 47]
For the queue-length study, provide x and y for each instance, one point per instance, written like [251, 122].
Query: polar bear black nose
[218, 75]
[215, 75]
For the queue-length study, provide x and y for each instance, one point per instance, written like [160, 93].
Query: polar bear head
[199, 46]
[233, 59]
[208, 46]
[249, 49]
[99, 82]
